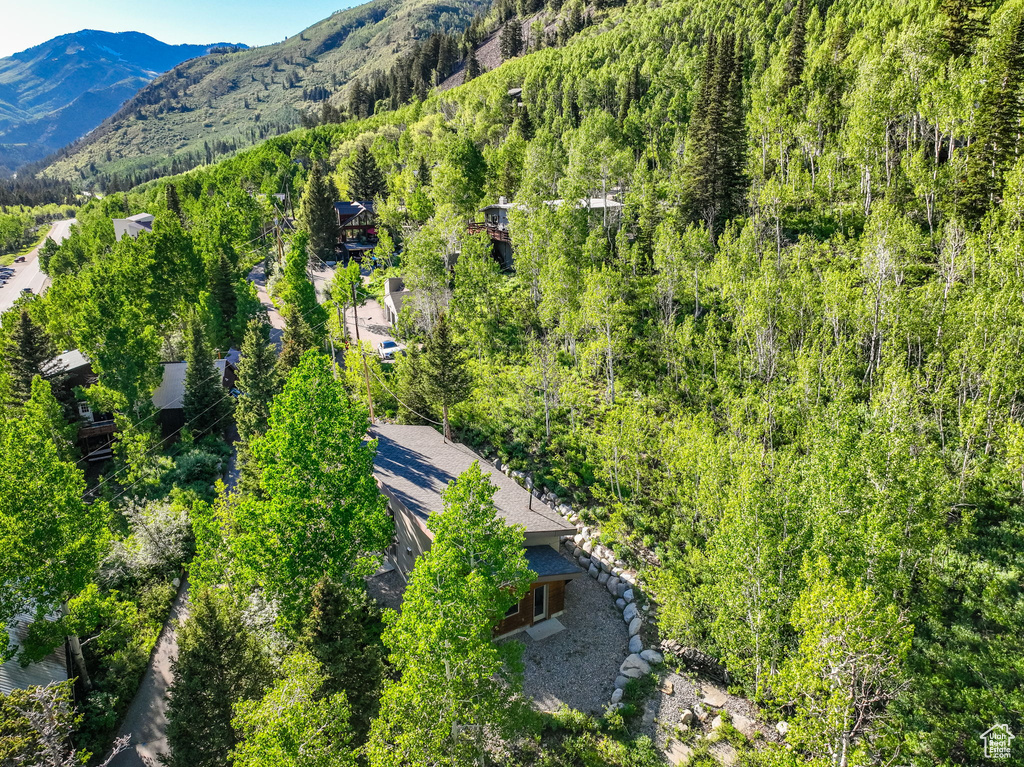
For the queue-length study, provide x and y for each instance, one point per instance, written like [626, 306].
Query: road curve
[28, 274]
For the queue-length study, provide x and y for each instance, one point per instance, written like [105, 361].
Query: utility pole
[280, 245]
[366, 370]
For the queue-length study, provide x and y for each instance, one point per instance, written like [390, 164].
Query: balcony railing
[494, 231]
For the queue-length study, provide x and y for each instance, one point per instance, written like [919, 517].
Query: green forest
[783, 379]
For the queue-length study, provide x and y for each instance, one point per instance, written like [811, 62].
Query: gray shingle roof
[416, 464]
[14, 676]
[546, 562]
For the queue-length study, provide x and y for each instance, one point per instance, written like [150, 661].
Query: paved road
[28, 274]
[373, 328]
[146, 720]
[258, 278]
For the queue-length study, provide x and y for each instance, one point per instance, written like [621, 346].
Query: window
[84, 410]
[513, 610]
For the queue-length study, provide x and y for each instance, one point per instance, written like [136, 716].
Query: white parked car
[388, 349]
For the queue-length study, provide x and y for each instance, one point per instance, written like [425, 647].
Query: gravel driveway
[577, 666]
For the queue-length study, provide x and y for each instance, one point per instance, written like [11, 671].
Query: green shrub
[572, 720]
[639, 689]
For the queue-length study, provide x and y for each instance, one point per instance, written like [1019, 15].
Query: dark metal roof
[547, 562]
[415, 463]
[349, 210]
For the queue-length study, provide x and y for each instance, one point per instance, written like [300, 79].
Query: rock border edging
[601, 564]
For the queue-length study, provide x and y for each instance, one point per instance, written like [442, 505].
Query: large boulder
[652, 656]
[584, 561]
[603, 579]
[745, 725]
[621, 681]
[629, 613]
[620, 590]
[628, 594]
[636, 644]
[634, 661]
[617, 695]
[620, 603]
[634, 626]
[613, 586]
[593, 572]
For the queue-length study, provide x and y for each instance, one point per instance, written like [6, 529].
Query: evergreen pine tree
[713, 180]
[423, 173]
[365, 180]
[472, 67]
[219, 663]
[317, 216]
[298, 339]
[173, 203]
[257, 381]
[523, 124]
[511, 42]
[343, 633]
[205, 402]
[411, 374]
[797, 48]
[358, 101]
[997, 125]
[28, 351]
[965, 23]
[447, 379]
[222, 291]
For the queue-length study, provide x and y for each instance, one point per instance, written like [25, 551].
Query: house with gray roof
[133, 226]
[15, 676]
[414, 465]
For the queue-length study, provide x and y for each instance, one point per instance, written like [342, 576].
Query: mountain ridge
[38, 84]
[225, 101]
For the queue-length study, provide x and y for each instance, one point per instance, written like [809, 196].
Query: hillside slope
[224, 101]
[57, 91]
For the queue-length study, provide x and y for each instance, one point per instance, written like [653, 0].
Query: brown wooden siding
[524, 618]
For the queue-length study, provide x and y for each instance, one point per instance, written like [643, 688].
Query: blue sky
[24, 23]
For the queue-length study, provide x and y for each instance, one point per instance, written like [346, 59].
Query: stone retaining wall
[601, 564]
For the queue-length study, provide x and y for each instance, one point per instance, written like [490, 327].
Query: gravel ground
[577, 666]
[387, 588]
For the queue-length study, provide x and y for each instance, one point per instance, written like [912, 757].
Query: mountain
[56, 92]
[227, 100]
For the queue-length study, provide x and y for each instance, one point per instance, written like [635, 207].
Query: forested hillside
[216, 104]
[784, 380]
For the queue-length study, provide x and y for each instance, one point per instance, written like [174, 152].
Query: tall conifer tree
[447, 380]
[205, 402]
[365, 180]
[317, 216]
[28, 351]
[219, 663]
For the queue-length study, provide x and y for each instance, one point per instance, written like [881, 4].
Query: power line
[431, 420]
